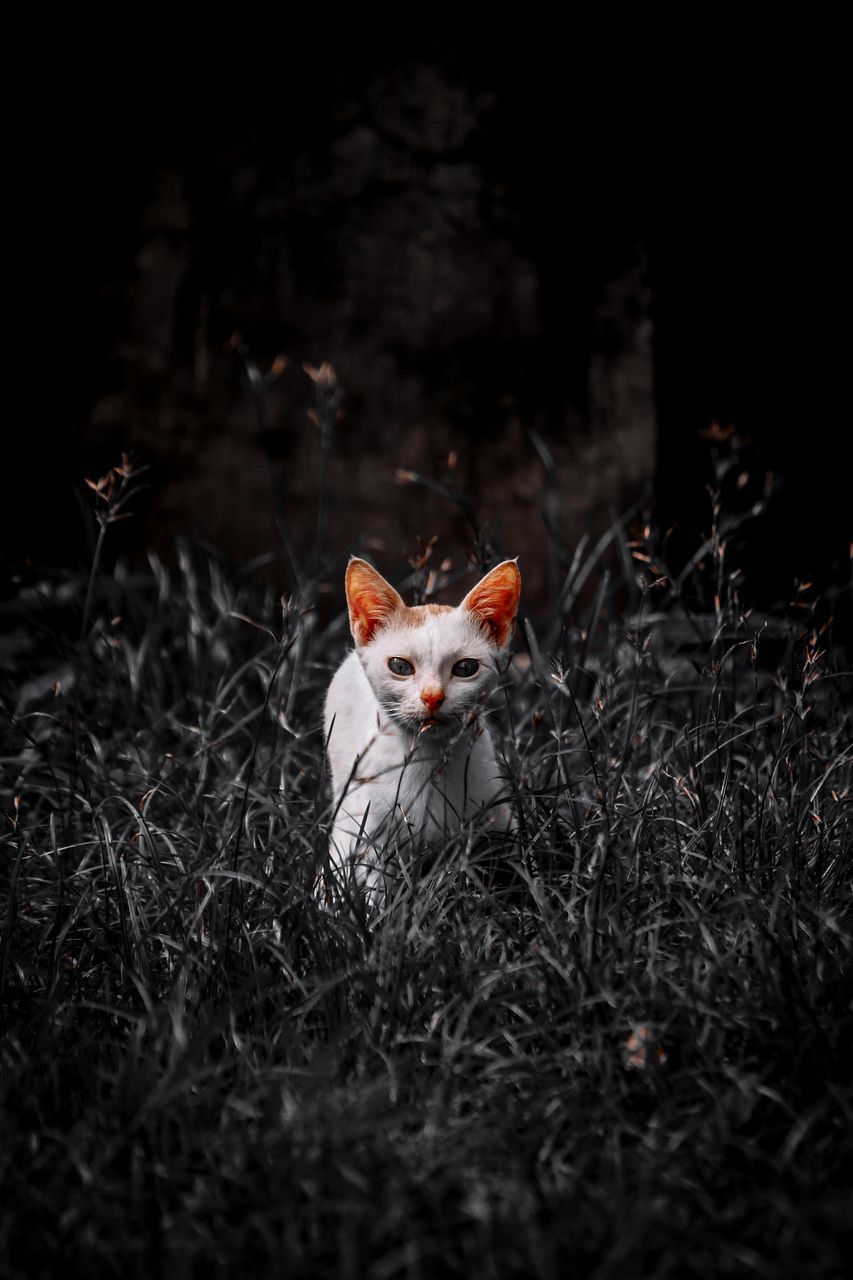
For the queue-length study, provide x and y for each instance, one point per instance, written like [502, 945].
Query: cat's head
[431, 666]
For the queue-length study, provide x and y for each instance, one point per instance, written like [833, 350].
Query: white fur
[393, 778]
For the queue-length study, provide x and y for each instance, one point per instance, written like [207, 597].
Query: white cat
[409, 749]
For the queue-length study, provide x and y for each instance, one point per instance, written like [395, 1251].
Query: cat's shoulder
[349, 680]
[350, 707]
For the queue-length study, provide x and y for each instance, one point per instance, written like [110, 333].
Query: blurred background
[556, 266]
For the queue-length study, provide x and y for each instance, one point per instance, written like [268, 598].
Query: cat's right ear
[370, 599]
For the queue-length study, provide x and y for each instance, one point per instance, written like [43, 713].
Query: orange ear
[371, 600]
[495, 600]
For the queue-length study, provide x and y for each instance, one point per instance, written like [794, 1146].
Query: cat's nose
[432, 698]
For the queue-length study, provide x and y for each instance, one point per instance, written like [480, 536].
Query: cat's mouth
[433, 722]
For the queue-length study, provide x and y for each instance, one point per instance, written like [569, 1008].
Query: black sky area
[727, 173]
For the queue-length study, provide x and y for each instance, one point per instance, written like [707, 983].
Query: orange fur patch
[417, 614]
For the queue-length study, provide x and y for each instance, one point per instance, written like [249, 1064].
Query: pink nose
[432, 698]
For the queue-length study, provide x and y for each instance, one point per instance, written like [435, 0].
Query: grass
[625, 1051]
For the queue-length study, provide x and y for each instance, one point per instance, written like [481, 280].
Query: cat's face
[431, 666]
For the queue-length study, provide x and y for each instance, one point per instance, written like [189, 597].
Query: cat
[410, 753]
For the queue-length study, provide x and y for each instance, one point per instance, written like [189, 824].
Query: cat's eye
[466, 667]
[400, 667]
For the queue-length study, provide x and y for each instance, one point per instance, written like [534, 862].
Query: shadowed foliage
[622, 1048]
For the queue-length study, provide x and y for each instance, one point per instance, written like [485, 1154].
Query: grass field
[625, 1049]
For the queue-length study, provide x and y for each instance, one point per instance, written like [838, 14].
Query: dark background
[613, 251]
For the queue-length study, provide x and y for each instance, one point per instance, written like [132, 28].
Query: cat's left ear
[370, 599]
[494, 601]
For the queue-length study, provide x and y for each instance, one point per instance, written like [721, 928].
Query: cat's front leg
[353, 866]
